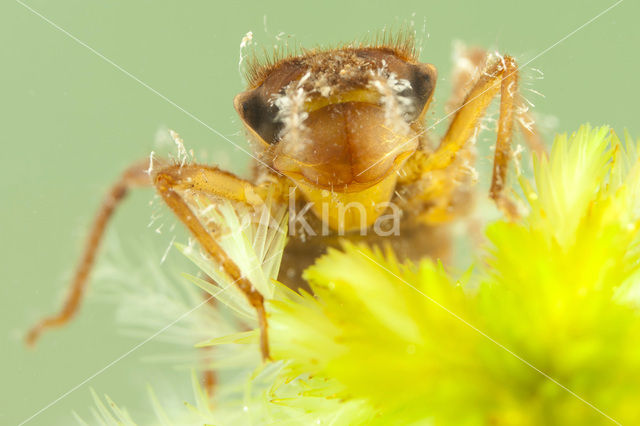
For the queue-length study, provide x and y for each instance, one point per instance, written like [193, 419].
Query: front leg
[469, 63]
[169, 180]
[440, 176]
[134, 176]
[170, 183]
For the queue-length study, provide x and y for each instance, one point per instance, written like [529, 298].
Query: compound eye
[423, 80]
[259, 115]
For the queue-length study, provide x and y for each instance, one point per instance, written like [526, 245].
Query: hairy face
[340, 119]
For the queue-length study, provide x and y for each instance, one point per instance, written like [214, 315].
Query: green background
[70, 122]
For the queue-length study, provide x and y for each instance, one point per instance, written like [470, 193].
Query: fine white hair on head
[292, 113]
[397, 108]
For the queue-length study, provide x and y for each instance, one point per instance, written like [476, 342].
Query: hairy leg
[171, 181]
[437, 180]
[469, 62]
[134, 176]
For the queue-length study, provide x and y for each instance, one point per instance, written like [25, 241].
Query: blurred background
[73, 120]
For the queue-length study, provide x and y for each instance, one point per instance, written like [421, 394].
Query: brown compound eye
[422, 80]
[259, 114]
